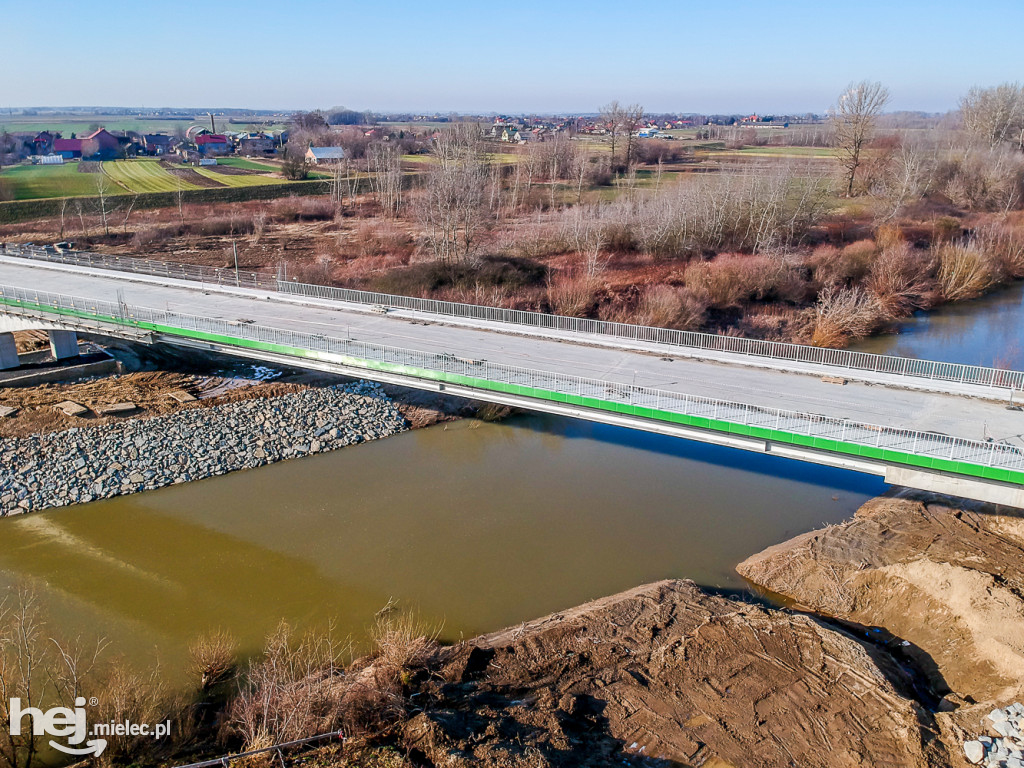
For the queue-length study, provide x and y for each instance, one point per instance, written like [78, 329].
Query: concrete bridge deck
[948, 414]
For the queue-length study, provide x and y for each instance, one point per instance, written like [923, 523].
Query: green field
[241, 162]
[30, 182]
[144, 176]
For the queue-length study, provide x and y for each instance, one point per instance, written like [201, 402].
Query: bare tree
[385, 164]
[619, 120]
[613, 117]
[853, 119]
[38, 670]
[452, 206]
[995, 115]
[102, 199]
[128, 213]
[634, 114]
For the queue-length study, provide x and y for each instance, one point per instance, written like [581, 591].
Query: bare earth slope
[667, 674]
[950, 581]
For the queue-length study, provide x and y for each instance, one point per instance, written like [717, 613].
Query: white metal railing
[242, 278]
[774, 350]
[380, 357]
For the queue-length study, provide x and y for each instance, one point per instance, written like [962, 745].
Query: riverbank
[82, 464]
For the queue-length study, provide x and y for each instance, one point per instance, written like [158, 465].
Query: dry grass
[292, 690]
[572, 294]
[664, 306]
[733, 279]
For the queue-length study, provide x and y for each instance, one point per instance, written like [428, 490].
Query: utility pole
[234, 247]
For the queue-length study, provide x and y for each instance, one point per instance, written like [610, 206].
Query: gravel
[84, 464]
[1006, 750]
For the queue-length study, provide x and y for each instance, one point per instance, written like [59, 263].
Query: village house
[98, 145]
[255, 144]
[324, 155]
[212, 144]
[157, 143]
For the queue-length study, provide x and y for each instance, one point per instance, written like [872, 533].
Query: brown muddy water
[474, 526]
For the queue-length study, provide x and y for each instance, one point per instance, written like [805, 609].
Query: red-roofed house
[212, 144]
[68, 148]
[98, 144]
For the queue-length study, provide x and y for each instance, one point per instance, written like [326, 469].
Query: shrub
[1003, 246]
[213, 658]
[901, 280]
[490, 271]
[731, 279]
[832, 266]
[964, 272]
[292, 690]
[842, 314]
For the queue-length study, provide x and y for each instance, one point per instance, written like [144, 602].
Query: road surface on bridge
[954, 415]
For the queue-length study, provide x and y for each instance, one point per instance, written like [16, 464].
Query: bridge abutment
[8, 352]
[63, 344]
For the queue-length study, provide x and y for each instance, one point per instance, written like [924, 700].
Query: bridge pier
[63, 344]
[8, 352]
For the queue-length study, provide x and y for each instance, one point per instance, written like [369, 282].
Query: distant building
[47, 160]
[43, 142]
[321, 155]
[255, 144]
[212, 144]
[68, 148]
[157, 143]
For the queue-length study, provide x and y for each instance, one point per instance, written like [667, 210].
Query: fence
[210, 275]
[771, 350]
[993, 460]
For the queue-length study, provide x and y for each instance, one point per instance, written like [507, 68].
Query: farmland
[31, 182]
[144, 176]
[241, 162]
[253, 180]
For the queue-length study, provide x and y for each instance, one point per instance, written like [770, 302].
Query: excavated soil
[149, 390]
[948, 580]
[667, 674]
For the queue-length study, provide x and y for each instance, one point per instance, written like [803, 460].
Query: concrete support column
[8, 352]
[63, 344]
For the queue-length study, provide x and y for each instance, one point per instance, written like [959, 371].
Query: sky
[521, 56]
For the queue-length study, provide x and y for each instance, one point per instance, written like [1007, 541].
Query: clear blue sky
[515, 56]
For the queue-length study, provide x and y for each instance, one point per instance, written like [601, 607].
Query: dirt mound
[666, 674]
[949, 581]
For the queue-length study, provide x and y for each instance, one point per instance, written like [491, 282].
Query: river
[472, 525]
[988, 331]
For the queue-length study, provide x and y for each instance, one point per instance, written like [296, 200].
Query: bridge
[930, 425]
